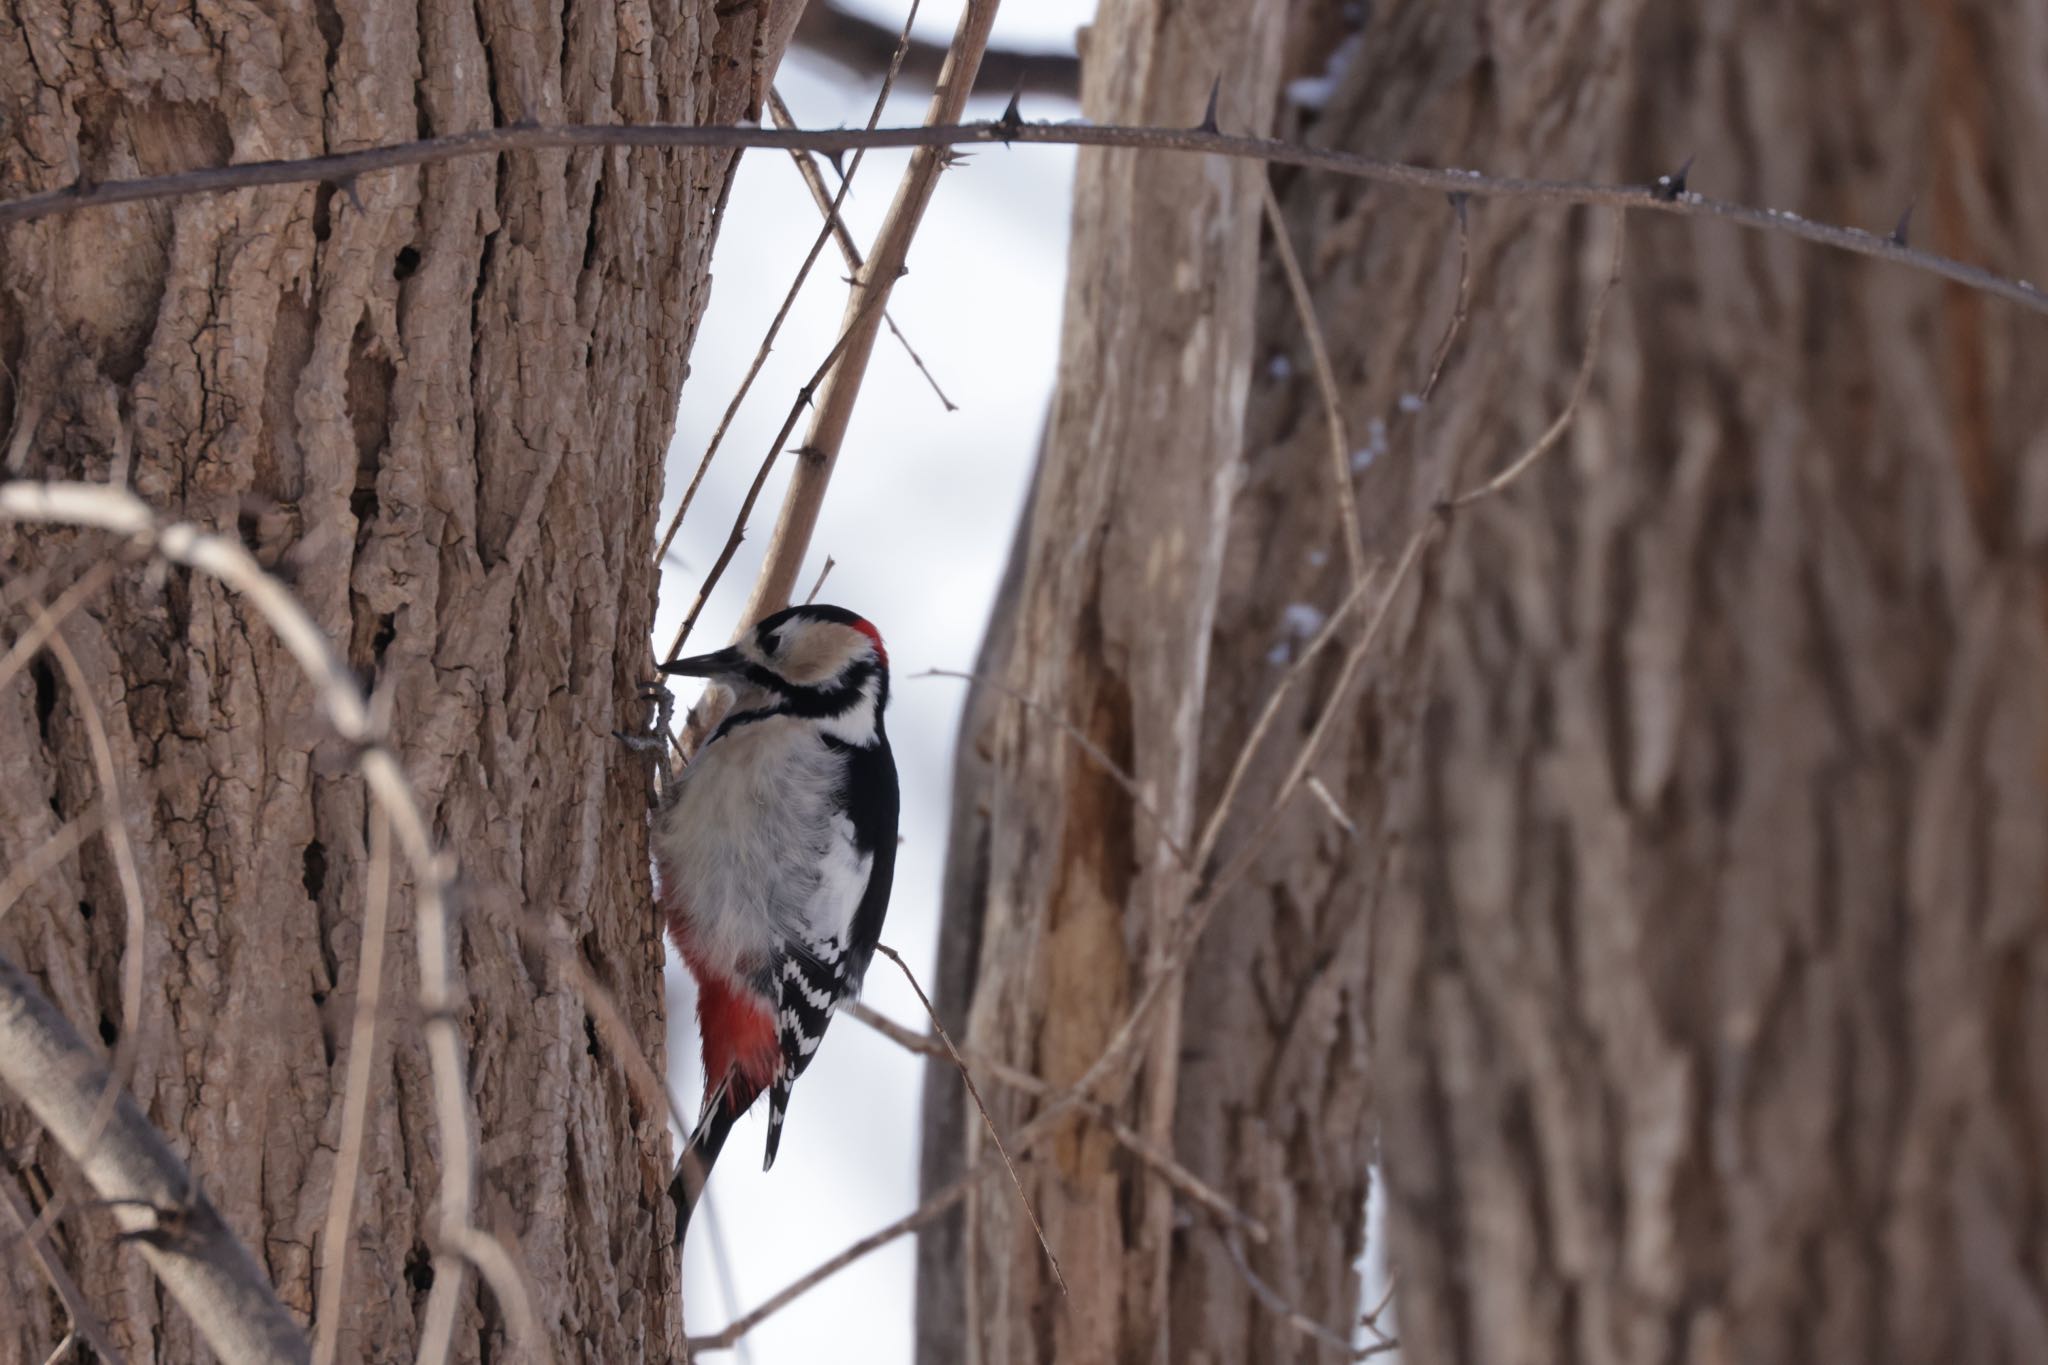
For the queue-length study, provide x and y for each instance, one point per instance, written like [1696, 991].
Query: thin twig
[135, 949]
[1461, 305]
[47, 855]
[1343, 489]
[823, 574]
[1240, 767]
[1322, 793]
[805, 496]
[55, 615]
[739, 521]
[1287, 1312]
[355, 1104]
[974, 1092]
[653, 1092]
[814, 180]
[1580, 382]
[1160, 1163]
[789, 298]
[341, 167]
[458, 1241]
[1087, 746]
[153, 1196]
[86, 1323]
[932, 1209]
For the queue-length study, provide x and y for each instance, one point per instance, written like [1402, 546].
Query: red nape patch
[867, 628]
[739, 1037]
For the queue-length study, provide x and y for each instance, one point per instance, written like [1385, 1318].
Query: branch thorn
[1460, 202]
[1669, 187]
[1208, 123]
[1013, 115]
[1905, 225]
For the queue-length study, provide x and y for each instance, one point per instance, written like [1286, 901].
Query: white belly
[754, 850]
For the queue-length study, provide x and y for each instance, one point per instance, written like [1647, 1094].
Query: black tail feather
[699, 1156]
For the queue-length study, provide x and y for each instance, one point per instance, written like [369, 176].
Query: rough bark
[438, 400]
[1700, 778]
[1710, 977]
[1110, 625]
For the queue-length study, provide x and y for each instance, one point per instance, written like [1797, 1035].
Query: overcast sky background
[919, 519]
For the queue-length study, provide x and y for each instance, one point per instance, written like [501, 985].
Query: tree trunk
[1698, 778]
[1711, 991]
[438, 401]
[1109, 625]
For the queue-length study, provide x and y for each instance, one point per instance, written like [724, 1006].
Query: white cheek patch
[819, 652]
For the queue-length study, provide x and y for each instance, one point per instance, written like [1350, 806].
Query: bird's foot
[654, 740]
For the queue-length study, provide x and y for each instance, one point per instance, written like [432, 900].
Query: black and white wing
[845, 921]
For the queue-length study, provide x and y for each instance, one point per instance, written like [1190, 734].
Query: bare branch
[814, 180]
[85, 1322]
[1580, 382]
[1342, 486]
[929, 1211]
[1161, 1163]
[827, 431]
[115, 826]
[1460, 306]
[47, 620]
[974, 1092]
[157, 1203]
[1289, 1314]
[355, 1104]
[1087, 746]
[46, 856]
[823, 574]
[788, 299]
[347, 710]
[343, 166]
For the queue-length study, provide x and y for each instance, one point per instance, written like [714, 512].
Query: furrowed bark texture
[438, 401]
[1112, 619]
[1712, 976]
[1699, 778]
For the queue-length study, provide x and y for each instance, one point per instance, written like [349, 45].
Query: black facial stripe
[820, 701]
[739, 718]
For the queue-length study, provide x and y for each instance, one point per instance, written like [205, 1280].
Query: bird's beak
[720, 664]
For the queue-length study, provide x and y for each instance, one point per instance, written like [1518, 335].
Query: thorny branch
[805, 496]
[341, 167]
[814, 180]
[796, 285]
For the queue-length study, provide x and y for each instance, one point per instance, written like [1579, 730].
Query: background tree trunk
[438, 400]
[1699, 779]
[1109, 623]
[1711, 992]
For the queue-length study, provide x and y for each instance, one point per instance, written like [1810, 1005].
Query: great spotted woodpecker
[776, 854]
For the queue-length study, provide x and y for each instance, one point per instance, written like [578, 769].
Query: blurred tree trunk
[1713, 994]
[1109, 622]
[438, 401]
[1699, 779]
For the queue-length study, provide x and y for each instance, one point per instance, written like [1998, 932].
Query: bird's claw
[654, 740]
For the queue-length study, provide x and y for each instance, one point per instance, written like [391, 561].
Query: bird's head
[810, 660]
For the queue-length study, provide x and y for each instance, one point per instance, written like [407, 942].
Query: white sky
[919, 520]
